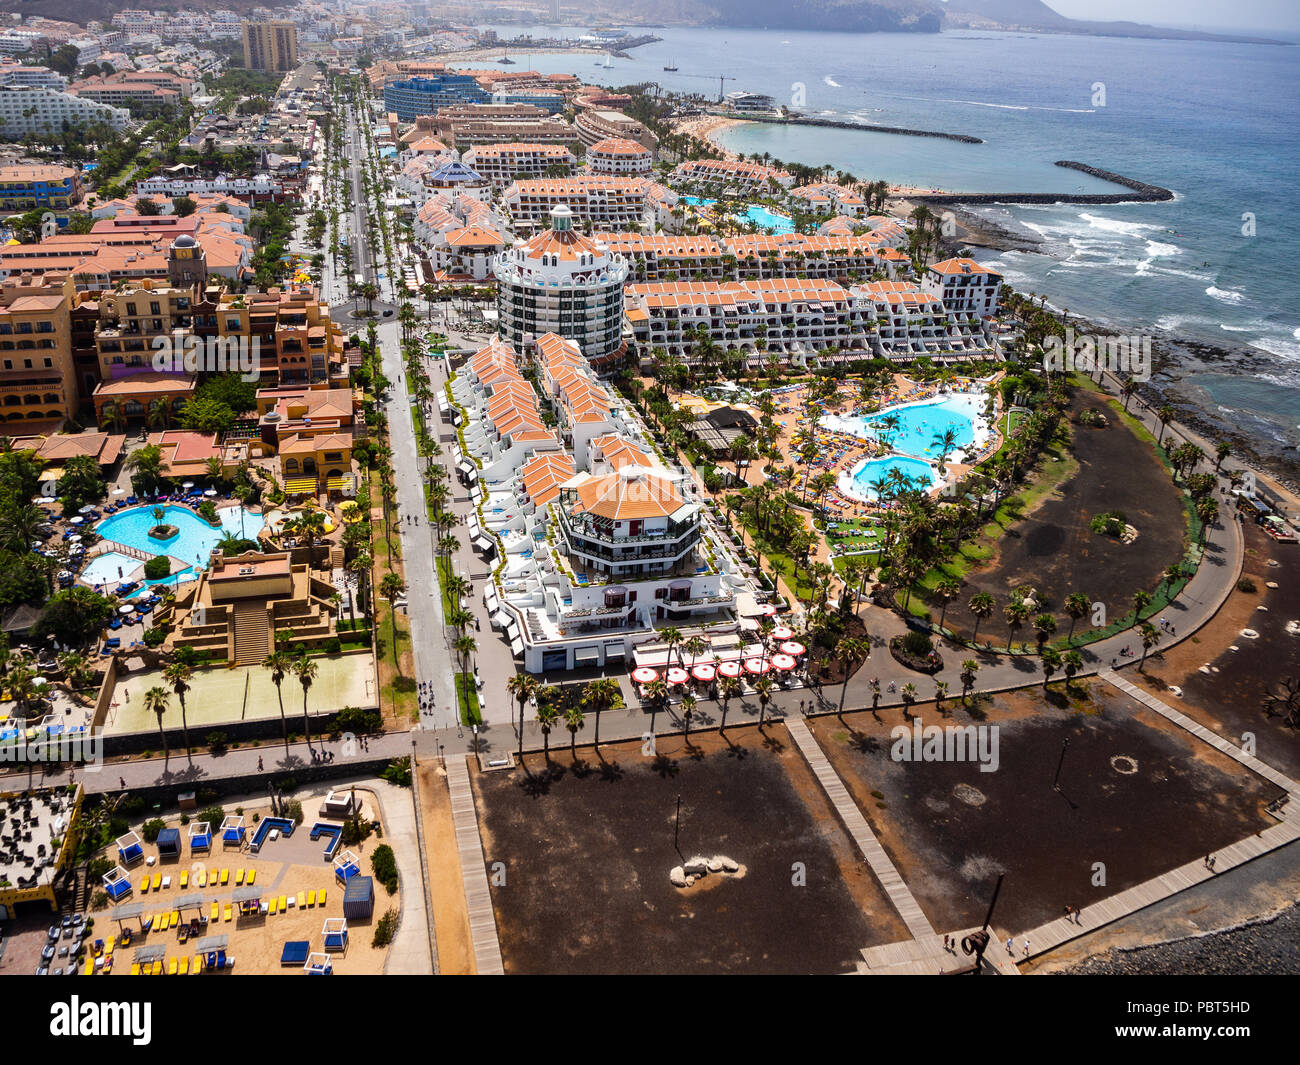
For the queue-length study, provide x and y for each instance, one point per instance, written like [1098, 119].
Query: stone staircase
[251, 642]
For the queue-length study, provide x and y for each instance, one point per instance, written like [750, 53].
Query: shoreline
[1274, 461]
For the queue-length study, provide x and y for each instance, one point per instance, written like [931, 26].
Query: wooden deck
[473, 868]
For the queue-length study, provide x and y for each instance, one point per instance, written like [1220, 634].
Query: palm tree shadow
[663, 765]
[581, 769]
[864, 744]
[772, 743]
[610, 772]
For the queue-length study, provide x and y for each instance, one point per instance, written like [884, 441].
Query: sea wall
[865, 127]
[1140, 191]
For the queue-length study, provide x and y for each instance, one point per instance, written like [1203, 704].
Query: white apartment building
[731, 176]
[562, 282]
[503, 163]
[261, 185]
[620, 155]
[911, 323]
[36, 110]
[964, 285]
[19, 76]
[595, 199]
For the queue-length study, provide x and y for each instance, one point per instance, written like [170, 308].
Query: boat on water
[671, 69]
[608, 63]
[506, 61]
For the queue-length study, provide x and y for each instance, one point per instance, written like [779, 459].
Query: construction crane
[722, 78]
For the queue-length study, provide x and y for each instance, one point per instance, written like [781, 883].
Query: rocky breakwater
[1139, 191]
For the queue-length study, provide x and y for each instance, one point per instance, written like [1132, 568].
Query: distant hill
[845, 16]
[1036, 15]
[83, 11]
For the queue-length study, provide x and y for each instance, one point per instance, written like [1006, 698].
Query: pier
[1140, 191]
[866, 127]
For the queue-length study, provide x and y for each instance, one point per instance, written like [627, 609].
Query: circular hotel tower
[562, 282]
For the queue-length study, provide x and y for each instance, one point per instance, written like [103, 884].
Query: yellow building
[37, 377]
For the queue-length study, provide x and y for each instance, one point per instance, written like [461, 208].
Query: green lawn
[467, 700]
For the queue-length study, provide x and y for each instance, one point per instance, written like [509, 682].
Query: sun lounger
[216, 912]
[302, 900]
[239, 877]
[201, 878]
[251, 874]
[167, 882]
[176, 918]
[321, 896]
[185, 965]
[112, 942]
[226, 913]
[89, 970]
[164, 922]
[225, 876]
[156, 969]
[185, 878]
[274, 904]
[144, 885]
[311, 899]
[284, 907]
[172, 966]
[197, 967]
[135, 968]
[157, 882]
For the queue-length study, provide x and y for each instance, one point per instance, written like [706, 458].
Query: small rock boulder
[677, 876]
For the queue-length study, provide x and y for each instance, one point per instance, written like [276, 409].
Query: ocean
[1216, 123]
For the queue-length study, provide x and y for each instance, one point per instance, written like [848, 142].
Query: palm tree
[278, 663]
[947, 589]
[763, 686]
[908, 692]
[1150, 638]
[523, 686]
[940, 694]
[849, 650]
[672, 637]
[1073, 662]
[574, 719]
[178, 674]
[688, 708]
[547, 715]
[1077, 606]
[1015, 613]
[1044, 626]
[728, 689]
[305, 670]
[155, 701]
[601, 695]
[464, 646]
[981, 605]
[1051, 660]
[969, 670]
[1141, 600]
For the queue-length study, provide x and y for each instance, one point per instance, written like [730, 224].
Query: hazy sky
[1280, 14]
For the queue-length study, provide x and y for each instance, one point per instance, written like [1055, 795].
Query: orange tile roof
[962, 267]
[543, 474]
[629, 493]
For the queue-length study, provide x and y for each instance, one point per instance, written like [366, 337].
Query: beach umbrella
[729, 669]
[77, 520]
[74, 539]
[644, 675]
[677, 675]
[769, 610]
[188, 484]
[125, 609]
[119, 491]
[87, 509]
[782, 633]
[703, 672]
[756, 665]
[793, 647]
[783, 662]
[210, 492]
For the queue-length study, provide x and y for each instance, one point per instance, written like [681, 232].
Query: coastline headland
[1141, 192]
[866, 127]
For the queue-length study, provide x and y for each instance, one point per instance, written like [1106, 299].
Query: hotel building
[964, 285]
[621, 156]
[503, 163]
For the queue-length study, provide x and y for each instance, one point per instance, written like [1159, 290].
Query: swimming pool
[109, 568]
[920, 425]
[760, 216]
[194, 540]
[921, 472]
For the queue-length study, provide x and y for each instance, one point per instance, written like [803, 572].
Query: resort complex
[430, 484]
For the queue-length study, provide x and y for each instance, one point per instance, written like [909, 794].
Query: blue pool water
[920, 425]
[769, 220]
[697, 201]
[109, 568]
[194, 540]
[874, 469]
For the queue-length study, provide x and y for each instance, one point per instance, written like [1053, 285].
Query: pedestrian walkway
[1202, 733]
[478, 897]
[904, 902]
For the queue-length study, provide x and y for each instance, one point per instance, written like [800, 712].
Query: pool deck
[245, 693]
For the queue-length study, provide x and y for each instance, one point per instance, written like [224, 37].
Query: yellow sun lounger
[135, 968]
[273, 906]
[89, 970]
[311, 899]
[176, 918]
[321, 897]
[166, 921]
[239, 877]
[216, 912]
[157, 969]
[197, 967]
[302, 900]
[157, 881]
[185, 878]
[201, 878]
[284, 906]
[252, 873]
[172, 967]
[108, 947]
[227, 912]
[185, 965]
[225, 875]
[144, 885]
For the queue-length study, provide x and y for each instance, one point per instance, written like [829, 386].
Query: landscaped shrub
[158, 567]
[385, 927]
[917, 643]
[150, 829]
[385, 866]
[398, 772]
[153, 637]
[218, 741]
[213, 815]
[1245, 585]
[332, 646]
[356, 720]
[293, 811]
